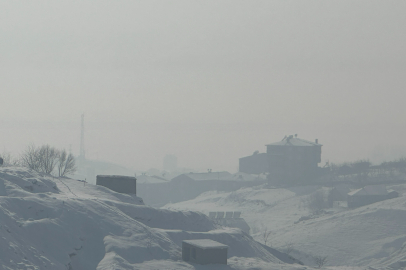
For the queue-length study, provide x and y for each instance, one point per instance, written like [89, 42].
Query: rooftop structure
[369, 194]
[118, 183]
[290, 160]
[204, 251]
[293, 160]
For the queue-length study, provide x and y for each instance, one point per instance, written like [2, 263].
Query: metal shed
[118, 183]
[204, 251]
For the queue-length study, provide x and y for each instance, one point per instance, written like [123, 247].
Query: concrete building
[290, 160]
[338, 194]
[157, 192]
[369, 194]
[293, 159]
[118, 183]
[255, 164]
[204, 251]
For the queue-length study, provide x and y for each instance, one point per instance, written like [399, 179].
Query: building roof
[370, 190]
[294, 141]
[342, 189]
[242, 176]
[205, 243]
[116, 176]
[150, 179]
[208, 176]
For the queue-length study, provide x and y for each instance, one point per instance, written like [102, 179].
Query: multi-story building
[289, 160]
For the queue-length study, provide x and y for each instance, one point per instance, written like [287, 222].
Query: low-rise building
[257, 163]
[118, 183]
[369, 194]
[204, 251]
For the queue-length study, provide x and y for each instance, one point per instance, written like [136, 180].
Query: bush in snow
[45, 159]
[316, 202]
[320, 260]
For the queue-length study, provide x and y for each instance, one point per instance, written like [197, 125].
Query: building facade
[255, 164]
[289, 160]
[118, 183]
[293, 159]
[204, 251]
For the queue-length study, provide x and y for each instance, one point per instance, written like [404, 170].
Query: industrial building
[289, 160]
[118, 183]
[204, 251]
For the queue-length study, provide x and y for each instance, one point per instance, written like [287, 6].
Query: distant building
[209, 176]
[290, 160]
[369, 194]
[170, 163]
[158, 192]
[338, 194]
[293, 159]
[257, 163]
[118, 183]
[150, 179]
[204, 251]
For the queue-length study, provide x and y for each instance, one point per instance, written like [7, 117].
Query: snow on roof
[210, 176]
[116, 176]
[291, 141]
[370, 190]
[148, 179]
[205, 243]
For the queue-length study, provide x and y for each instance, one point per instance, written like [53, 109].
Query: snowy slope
[373, 235]
[52, 223]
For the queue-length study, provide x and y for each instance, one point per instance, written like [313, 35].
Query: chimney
[316, 141]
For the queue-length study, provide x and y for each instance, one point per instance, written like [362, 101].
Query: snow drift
[61, 223]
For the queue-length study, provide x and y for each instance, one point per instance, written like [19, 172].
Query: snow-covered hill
[61, 223]
[373, 235]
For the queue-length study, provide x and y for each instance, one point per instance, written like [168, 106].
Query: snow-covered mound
[61, 223]
[373, 235]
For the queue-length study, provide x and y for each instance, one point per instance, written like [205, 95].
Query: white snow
[61, 223]
[373, 235]
[205, 243]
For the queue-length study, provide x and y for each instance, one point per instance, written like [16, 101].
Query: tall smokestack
[316, 141]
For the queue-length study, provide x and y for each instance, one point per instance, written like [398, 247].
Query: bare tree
[316, 202]
[320, 260]
[265, 235]
[48, 157]
[40, 159]
[66, 164]
[30, 158]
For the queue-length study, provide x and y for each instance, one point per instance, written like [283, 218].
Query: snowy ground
[373, 235]
[52, 223]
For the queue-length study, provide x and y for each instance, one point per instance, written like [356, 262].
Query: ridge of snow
[62, 223]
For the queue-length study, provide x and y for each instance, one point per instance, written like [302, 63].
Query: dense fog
[192, 134]
[208, 82]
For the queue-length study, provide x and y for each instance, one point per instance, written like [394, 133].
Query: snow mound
[61, 223]
[372, 235]
[19, 182]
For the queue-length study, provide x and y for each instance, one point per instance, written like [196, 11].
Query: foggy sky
[207, 81]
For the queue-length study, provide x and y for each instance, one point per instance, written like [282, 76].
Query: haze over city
[209, 82]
